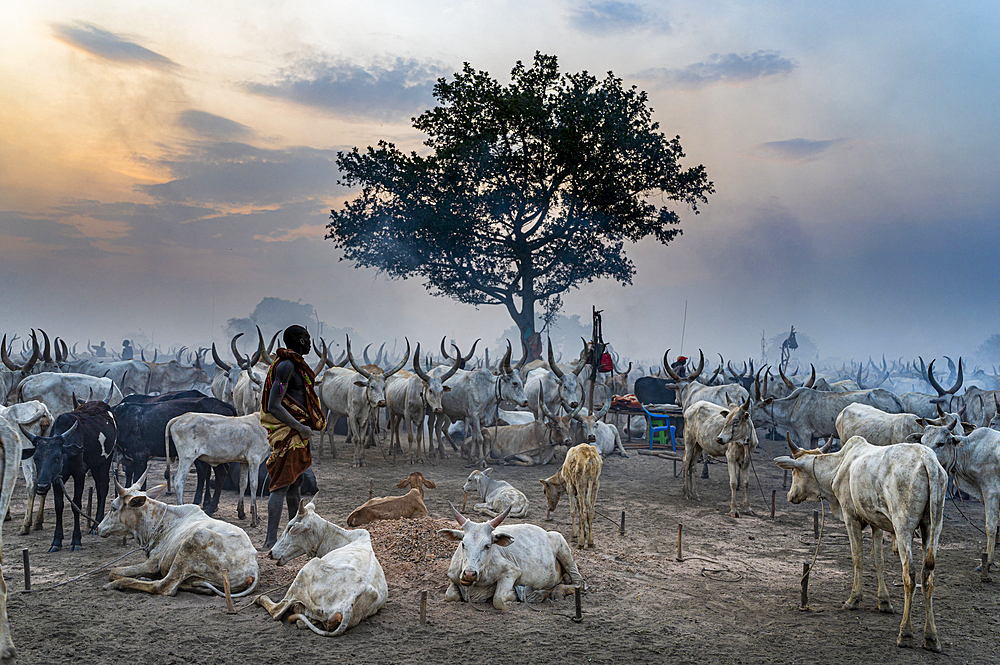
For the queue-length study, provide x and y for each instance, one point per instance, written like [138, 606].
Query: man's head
[297, 339]
[125, 343]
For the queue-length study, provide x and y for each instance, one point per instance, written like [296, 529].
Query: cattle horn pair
[937, 386]
[465, 359]
[264, 353]
[423, 375]
[825, 448]
[673, 374]
[244, 363]
[26, 367]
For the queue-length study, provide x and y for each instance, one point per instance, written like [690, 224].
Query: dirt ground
[733, 599]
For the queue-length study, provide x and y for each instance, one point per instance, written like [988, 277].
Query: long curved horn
[59, 357]
[791, 446]
[111, 390]
[454, 368]
[472, 352]
[65, 350]
[458, 516]
[240, 360]
[958, 381]
[270, 346]
[177, 356]
[322, 359]
[930, 377]
[402, 363]
[218, 361]
[604, 409]
[28, 435]
[379, 358]
[505, 363]
[552, 362]
[444, 353]
[5, 358]
[541, 404]
[495, 522]
[788, 381]
[701, 366]
[416, 366]
[156, 352]
[364, 354]
[524, 356]
[264, 354]
[812, 376]
[350, 358]
[46, 354]
[666, 368]
[718, 369]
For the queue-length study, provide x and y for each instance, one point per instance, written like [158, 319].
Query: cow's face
[588, 426]
[51, 453]
[570, 391]
[512, 389]
[374, 389]
[300, 536]
[804, 485]
[477, 481]
[942, 439]
[129, 510]
[433, 391]
[477, 542]
[738, 425]
[559, 431]
[552, 490]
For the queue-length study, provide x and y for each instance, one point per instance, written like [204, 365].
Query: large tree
[527, 189]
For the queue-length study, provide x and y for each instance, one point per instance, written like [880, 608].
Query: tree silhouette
[528, 189]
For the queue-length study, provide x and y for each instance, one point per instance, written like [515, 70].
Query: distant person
[290, 411]
[679, 366]
[99, 351]
[127, 352]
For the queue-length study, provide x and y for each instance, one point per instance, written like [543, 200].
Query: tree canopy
[526, 190]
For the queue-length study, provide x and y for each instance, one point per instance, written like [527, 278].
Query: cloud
[210, 126]
[795, 150]
[397, 90]
[731, 68]
[234, 173]
[603, 18]
[96, 41]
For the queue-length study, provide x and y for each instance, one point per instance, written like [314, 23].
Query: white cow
[341, 585]
[56, 390]
[897, 489]
[497, 496]
[36, 419]
[410, 398]
[494, 563]
[187, 549]
[10, 457]
[876, 426]
[218, 439]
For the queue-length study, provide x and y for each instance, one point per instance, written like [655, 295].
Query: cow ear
[502, 539]
[445, 389]
[451, 534]
[922, 422]
[403, 483]
[785, 462]
[914, 437]
[360, 384]
[137, 501]
[429, 483]
[486, 472]
[27, 452]
[968, 427]
[724, 413]
[156, 491]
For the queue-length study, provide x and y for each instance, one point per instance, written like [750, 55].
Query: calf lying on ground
[188, 550]
[340, 588]
[499, 563]
[897, 489]
[580, 477]
[410, 505]
[496, 495]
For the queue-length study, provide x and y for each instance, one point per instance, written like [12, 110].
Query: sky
[166, 165]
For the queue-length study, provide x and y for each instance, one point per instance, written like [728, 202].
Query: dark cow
[82, 440]
[142, 422]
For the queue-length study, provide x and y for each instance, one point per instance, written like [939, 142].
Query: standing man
[290, 411]
[127, 352]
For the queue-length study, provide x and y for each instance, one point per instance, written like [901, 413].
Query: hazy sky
[165, 165]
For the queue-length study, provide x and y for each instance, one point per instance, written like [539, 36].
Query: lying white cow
[218, 439]
[187, 549]
[975, 461]
[897, 489]
[502, 564]
[344, 585]
[496, 495]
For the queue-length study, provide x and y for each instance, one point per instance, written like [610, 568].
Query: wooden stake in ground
[27, 571]
[805, 587]
[773, 493]
[230, 608]
[680, 529]
[621, 531]
[423, 608]
[579, 605]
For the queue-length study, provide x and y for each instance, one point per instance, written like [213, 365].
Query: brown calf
[410, 505]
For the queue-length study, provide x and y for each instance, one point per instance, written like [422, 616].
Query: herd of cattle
[66, 416]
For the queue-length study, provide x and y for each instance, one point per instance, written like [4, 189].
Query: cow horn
[787, 381]
[264, 354]
[542, 405]
[240, 360]
[495, 522]
[364, 354]
[59, 357]
[718, 369]
[28, 435]
[46, 353]
[812, 376]
[402, 363]
[322, 358]
[505, 363]
[65, 350]
[253, 376]
[121, 491]
[791, 446]
[350, 358]
[458, 516]
[604, 409]
[177, 356]
[666, 367]
[111, 390]
[572, 414]
[552, 362]
[701, 366]
[444, 353]
[156, 353]
[74, 401]
[6, 358]
[454, 368]
[958, 381]
[941, 413]
[524, 356]
[930, 377]
[270, 346]
[416, 366]
[218, 361]
[825, 448]
[472, 352]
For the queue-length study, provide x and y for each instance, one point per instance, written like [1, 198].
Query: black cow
[82, 440]
[653, 390]
[142, 422]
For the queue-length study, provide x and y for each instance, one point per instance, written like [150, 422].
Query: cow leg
[564, 556]
[149, 567]
[744, 468]
[41, 512]
[183, 464]
[102, 481]
[252, 478]
[244, 479]
[28, 471]
[276, 610]
[76, 543]
[905, 542]
[179, 572]
[7, 651]
[878, 555]
[166, 476]
[732, 466]
[201, 487]
[593, 488]
[57, 535]
[992, 504]
[453, 594]
[504, 594]
[857, 558]
[927, 579]
[688, 464]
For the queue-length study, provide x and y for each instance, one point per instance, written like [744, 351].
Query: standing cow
[82, 440]
[580, 477]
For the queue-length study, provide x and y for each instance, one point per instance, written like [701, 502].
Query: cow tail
[208, 585]
[319, 631]
[936, 510]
